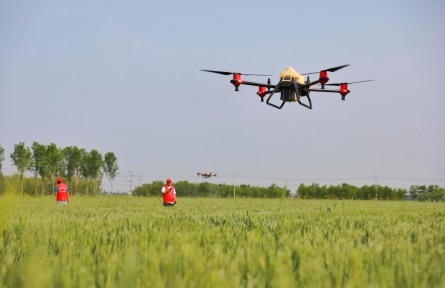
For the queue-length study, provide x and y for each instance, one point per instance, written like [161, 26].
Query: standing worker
[169, 193]
[62, 192]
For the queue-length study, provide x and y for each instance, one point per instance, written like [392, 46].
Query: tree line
[206, 189]
[313, 191]
[47, 162]
[346, 191]
[84, 170]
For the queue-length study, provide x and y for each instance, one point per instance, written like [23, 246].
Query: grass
[209, 242]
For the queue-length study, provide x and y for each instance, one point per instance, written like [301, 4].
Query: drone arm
[312, 83]
[323, 90]
[258, 84]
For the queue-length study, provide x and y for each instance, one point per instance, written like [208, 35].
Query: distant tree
[274, 191]
[2, 181]
[73, 162]
[204, 189]
[96, 164]
[400, 194]
[155, 188]
[90, 168]
[2, 156]
[39, 164]
[142, 190]
[21, 158]
[431, 193]
[110, 167]
[85, 169]
[185, 188]
[54, 159]
[314, 191]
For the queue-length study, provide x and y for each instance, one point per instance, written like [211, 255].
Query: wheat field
[112, 241]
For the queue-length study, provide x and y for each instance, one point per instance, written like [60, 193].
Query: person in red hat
[169, 193]
[62, 192]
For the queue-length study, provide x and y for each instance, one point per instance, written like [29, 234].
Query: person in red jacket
[169, 193]
[62, 192]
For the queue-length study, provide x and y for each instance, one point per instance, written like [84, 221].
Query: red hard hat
[59, 180]
[169, 180]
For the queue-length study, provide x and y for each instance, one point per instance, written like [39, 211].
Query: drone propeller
[233, 73]
[347, 83]
[333, 69]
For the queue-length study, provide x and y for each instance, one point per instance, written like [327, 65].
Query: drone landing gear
[305, 105]
[273, 105]
[288, 98]
[270, 96]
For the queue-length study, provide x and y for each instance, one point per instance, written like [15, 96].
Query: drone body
[291, 86]
[206, 174]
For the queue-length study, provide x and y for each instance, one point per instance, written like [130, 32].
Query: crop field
[112, 241]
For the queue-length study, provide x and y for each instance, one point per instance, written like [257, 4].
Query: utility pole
[130, 183]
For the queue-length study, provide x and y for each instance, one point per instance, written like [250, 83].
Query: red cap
[169, 180]
[59, 180]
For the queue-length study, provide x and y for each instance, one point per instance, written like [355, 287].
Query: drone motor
[262, 92]
[236, 81]
[343, 90]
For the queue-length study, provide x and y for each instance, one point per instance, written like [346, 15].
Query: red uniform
[62, 193]
[169, 194]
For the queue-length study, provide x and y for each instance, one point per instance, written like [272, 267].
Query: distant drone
[292, 85]
[206, 174]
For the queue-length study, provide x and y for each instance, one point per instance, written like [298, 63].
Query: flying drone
[292, 85]
[206, 174]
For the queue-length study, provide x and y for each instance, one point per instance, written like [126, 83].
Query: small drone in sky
[292, 85]
[206, 174]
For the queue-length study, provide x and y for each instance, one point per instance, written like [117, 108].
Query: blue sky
[125, 77]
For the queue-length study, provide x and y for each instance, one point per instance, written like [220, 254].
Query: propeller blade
[230, 73]
[336, 68]
[338, 84]
[219, 72]
[333, 69]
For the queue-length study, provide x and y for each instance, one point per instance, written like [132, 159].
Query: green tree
[431, 193]
[142, 190]
[2, 181]
[73, 162]
[38, 165]
[85, 169]
[274, 191]
[21, 158]
[90, 168]
[152, 189]
[95, 165]
[54, 157]
[314, 191]
[110, 167]
[2, 156]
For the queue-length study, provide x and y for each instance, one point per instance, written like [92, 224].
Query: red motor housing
[323, 77]
[261, 92]
[343, 90]
[236, 80]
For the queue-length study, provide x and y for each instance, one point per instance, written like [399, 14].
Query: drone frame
[290, 89]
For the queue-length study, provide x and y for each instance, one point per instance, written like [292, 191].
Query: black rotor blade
[333, 69]
[230, 73]
[219, 72]
[336, 68]
[338, 84]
